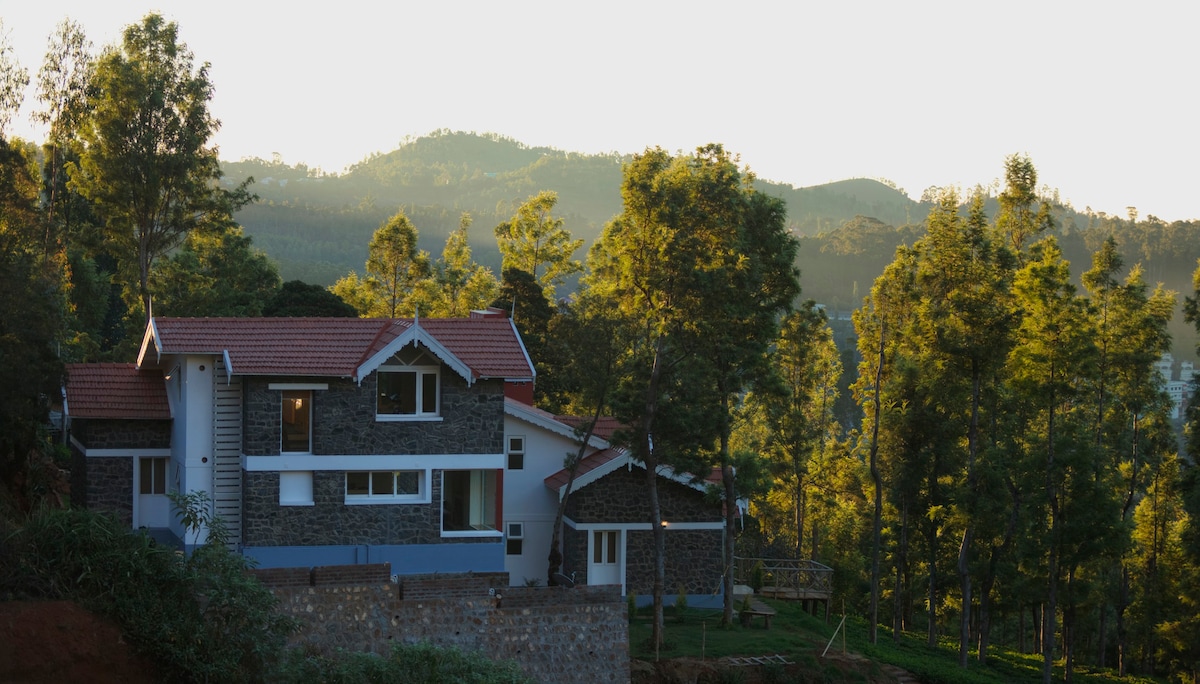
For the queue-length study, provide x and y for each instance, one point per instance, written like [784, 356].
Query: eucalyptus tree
[1051, 364]
[534, 241]
[1131, 336]
[394, 269]
[62, 84]
[1022, 217]
[964, 319]
[798, 413]
[666, 262]
[216, 274]
[13, 79]
[457, 285]
[147, 164]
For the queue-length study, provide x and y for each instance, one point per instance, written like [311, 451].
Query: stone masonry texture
[343, 419]
[555, 635]
[693, 557]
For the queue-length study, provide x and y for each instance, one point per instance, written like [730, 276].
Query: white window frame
[307, 400]
[485, 532]
[421, 496]
[421, 372]
[514, 452]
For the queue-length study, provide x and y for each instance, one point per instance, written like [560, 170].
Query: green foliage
[199, 618]
[215, 274]
[146, 164]
[421, 662]
[631, 606]
[533, 239]
[681, 603]
[297, 298]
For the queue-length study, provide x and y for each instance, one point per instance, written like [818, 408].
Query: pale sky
[1101, 95]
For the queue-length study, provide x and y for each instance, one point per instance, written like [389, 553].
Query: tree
[147, 164]
[647, 264]
[216, 274]
[1050, 361]
[533, 239]
[394, 269]
[798, 413]
[299, 299]
[13, 79]
[1022, 217]
[458, 285]
[62, 89]
[31, 310]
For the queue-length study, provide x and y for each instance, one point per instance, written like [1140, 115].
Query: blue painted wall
[406, 559]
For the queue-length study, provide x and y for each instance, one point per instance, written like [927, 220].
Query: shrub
[198, 618]
[406, 663]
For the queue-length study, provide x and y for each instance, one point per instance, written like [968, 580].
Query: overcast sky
[1100, 95]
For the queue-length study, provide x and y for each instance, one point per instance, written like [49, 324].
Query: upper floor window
[516, 452]
[409, 387]
[296, 409]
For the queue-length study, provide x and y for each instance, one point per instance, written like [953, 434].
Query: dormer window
[409, 387]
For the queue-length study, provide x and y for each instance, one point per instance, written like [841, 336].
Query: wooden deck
[789, 579]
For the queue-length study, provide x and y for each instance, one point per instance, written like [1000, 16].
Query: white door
[604, 554]
[154, 509]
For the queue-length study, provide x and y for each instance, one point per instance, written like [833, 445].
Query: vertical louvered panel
[227, 453]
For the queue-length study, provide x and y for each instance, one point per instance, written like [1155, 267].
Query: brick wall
[556, 635]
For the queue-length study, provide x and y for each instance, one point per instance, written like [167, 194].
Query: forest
[953, 402]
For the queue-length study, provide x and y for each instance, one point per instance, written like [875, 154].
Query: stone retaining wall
[556, 635]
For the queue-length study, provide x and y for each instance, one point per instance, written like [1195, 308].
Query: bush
[406, 663]
[197, 619]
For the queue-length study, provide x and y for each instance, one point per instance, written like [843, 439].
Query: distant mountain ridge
[317, 225]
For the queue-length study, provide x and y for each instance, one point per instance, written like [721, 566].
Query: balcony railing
[791, 578]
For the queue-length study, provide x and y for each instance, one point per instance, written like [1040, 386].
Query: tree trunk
[964, 548]
[555, 559]
[877, 483]
[900, 595]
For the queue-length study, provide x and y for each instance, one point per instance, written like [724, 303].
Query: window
[470, 500]
[296, 488]
[296, 435]
[516, 453]
[152, 479]
[385, 486]
[408, 392]
[513, 538]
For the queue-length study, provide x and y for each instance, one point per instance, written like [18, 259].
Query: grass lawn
[802, 638]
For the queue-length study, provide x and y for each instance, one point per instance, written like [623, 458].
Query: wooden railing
[794, 578]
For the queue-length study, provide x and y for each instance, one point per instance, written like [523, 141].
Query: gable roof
[115, 390]
[548, 421]
[604, 429]
[340, 347]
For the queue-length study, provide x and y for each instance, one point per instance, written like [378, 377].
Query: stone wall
[343, 419]
[620, 497]
[556, 635]
[329, 521]
[122, 434]
[103, 484]
[693, 557]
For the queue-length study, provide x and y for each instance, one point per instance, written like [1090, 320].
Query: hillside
[317, 225]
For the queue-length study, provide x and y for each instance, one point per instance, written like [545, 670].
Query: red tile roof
[589, 463]
[604, 428]
[336, 347]
[115, 390]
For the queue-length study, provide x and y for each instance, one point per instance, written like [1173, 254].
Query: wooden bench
[757, 609]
